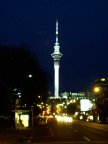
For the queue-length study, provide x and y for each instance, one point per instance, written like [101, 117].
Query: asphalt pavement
[54, 132]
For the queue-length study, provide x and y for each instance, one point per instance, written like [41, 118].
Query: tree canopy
[20, 69]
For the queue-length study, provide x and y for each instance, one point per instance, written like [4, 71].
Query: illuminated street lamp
[30, 76]
[103, 79]
[97, 89]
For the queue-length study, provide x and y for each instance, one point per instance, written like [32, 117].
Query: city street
[77, 132]
[54, 132]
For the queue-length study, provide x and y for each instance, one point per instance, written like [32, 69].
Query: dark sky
[83, 36]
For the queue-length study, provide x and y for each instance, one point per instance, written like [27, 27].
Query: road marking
[86, 138]
[51, 132]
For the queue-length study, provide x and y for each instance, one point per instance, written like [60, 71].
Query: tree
[20, 69]
[71, 108]
[101, 92]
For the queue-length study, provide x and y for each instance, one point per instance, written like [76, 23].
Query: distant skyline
[83, 36]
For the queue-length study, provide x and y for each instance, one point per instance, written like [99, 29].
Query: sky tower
[56, 56]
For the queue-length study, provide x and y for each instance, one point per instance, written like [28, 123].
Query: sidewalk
[94, 125]
[12, 136]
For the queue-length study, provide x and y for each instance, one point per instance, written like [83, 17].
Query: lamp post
[30, 76]
[99, 92]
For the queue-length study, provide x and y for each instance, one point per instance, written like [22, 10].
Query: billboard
[85, 104]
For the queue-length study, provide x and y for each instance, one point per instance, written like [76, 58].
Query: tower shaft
[56, 79]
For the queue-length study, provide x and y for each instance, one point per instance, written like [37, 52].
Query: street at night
[54, 132]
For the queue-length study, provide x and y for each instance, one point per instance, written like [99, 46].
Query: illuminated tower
[56, 56]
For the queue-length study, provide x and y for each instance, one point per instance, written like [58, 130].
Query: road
[76, 133]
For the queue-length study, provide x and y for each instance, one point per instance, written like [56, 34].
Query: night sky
[83, 36]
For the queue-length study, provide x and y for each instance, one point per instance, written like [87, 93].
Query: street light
[30, 75]
[97, 89]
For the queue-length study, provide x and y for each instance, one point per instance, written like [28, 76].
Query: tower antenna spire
[57, 33]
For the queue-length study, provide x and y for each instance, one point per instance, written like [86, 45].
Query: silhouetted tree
[20, 69]
[71, 108]
[102, 99]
